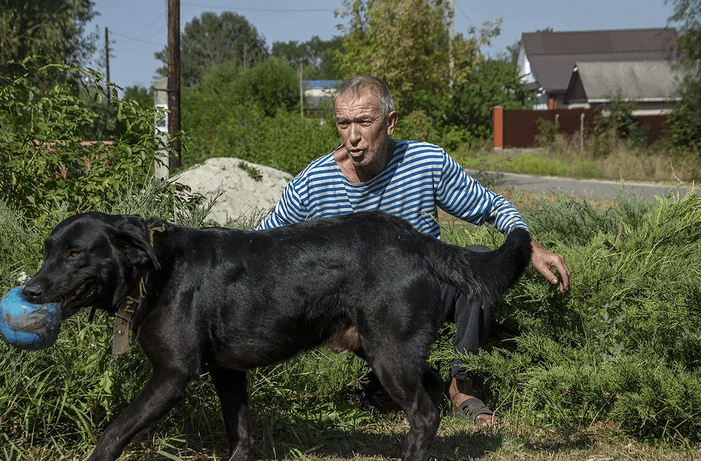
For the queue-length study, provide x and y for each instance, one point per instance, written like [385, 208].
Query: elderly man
[373, 171]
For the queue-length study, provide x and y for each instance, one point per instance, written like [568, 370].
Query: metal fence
[518, 128]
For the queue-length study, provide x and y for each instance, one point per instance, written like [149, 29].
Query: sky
[138, 28]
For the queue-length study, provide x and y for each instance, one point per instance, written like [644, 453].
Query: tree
[685, 120]
[318, 56]
[323, 54]
[143, 96]
[512, 51]
[406, 44]
[492, 83]
[211, 40]
[688, 13]
[269, 85]
[53, 29]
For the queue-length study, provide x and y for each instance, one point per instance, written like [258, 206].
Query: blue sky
[139, 27]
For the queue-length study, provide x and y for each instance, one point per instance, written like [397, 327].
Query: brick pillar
[498, 127]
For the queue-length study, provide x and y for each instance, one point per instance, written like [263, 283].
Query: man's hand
[544, 261]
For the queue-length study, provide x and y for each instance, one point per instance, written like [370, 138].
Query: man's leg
[473, 320]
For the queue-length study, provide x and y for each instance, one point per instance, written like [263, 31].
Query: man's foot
[465, 403]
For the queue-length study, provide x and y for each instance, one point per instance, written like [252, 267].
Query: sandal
[470, 409]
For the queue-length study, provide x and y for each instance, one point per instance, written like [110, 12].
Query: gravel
[247, 190]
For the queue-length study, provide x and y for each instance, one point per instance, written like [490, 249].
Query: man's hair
[359, 83]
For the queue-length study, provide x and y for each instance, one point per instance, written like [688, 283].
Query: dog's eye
[73, 254]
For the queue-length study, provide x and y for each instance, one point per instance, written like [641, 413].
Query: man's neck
[359, 174]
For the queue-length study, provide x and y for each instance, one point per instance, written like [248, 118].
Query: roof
[631, 80]
[552, 55]
[321, 84]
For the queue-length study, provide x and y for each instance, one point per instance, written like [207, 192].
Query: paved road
[582, 187]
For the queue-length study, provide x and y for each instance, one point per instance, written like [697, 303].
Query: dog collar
[127, 308]
[122, 320]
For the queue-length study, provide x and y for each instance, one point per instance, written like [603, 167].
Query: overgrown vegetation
[44, 161]
[615, 149]
[623, 349]
[620, 354]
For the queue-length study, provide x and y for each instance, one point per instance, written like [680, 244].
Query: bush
[617, 129]
[685, 119]
[285, 140]
[43, 158]
[547, 132]
[625, 345]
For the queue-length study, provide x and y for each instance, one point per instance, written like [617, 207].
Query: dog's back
[334, 274]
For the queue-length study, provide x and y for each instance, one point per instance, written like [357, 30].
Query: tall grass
[623, 347]
[624, 163]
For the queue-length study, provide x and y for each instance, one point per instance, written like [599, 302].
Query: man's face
[361, 127]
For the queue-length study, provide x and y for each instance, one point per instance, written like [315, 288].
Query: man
[370, 171]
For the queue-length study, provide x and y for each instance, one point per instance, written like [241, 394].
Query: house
[318, 91]
[546, 59]
[651, 84]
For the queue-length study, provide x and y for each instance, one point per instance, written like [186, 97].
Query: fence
[518, 128]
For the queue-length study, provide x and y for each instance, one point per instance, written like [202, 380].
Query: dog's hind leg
[407, 385]
[434, 385]
[231, 387]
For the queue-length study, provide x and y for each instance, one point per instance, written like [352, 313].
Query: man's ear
[391, 119]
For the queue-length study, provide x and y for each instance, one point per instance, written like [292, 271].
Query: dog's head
[92, 259]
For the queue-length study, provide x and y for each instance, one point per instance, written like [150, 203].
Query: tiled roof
[552, 55]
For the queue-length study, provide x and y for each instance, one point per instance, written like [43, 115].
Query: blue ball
[26, 325]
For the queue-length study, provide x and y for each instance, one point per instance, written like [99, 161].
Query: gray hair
[376, 86]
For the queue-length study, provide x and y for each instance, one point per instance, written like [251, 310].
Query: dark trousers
[472, 318]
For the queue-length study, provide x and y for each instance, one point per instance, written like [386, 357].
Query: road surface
[594, 189]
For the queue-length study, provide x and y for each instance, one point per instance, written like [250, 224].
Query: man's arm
[479, 205]
[290, 209]
[464, 197]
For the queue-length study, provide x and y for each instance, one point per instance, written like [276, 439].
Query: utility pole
[107, 63]
[451, 37]
[174, 79]
[301, 90]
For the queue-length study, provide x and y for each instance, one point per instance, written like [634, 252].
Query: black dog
[225, 301]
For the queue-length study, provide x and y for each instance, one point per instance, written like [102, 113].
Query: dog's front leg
[162, 391]
[231, 387]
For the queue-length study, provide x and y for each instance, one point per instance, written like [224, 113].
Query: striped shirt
[418, 178]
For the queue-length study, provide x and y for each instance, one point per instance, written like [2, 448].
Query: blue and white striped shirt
[419, 177]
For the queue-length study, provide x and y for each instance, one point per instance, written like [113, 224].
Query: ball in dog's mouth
[26, 325]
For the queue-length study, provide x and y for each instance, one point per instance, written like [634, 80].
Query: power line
[156, 20]
[464, 14]
[136, 39]
[266, 10]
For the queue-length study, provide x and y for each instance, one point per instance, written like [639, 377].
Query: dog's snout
[31, 292]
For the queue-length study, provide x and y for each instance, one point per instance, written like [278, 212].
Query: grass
[633, 165]
[382, 439]
[311, 408]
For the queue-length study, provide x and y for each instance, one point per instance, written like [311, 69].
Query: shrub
[624, 345]
[547, 131]
[44, 159]
[286, 140]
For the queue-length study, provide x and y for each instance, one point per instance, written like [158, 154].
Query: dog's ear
[133, 238]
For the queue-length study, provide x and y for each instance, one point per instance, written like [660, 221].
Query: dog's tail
[488, 274]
